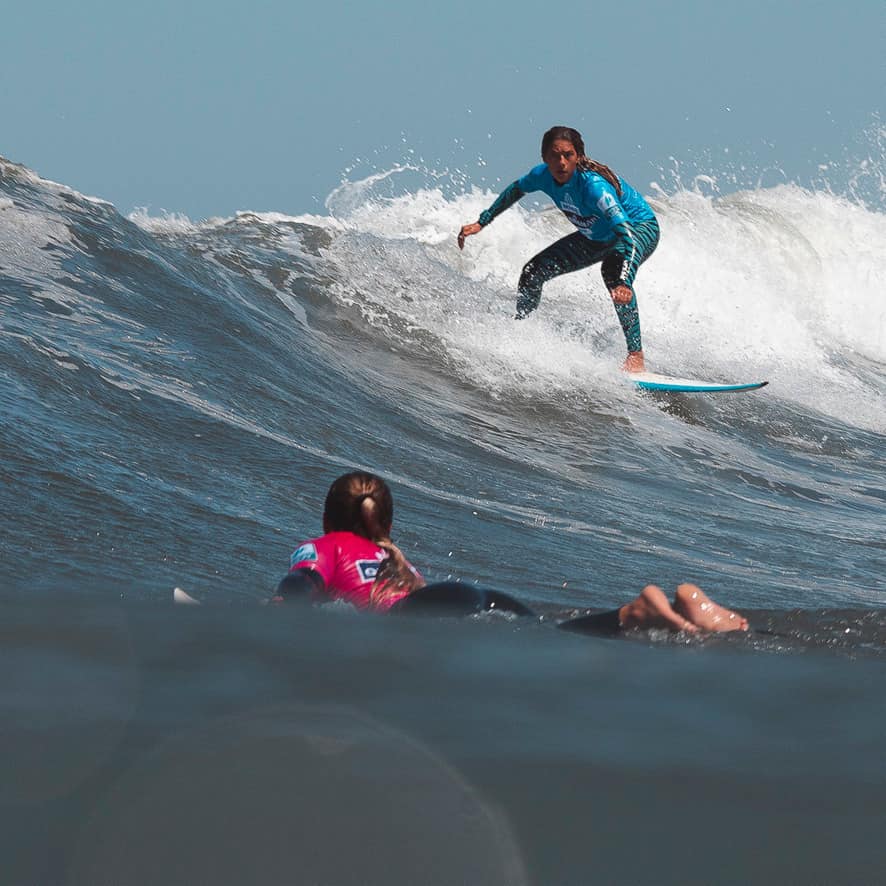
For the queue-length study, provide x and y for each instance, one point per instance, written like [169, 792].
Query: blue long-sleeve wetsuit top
[591, 203]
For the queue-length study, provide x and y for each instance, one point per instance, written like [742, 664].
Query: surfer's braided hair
[567, 133]
[362, 503]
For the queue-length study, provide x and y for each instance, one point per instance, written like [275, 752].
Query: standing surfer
[616, 226]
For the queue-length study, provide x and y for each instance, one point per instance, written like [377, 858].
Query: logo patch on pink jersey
[368, 569]
[303, 554]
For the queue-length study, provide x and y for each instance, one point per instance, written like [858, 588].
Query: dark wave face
[177, 398]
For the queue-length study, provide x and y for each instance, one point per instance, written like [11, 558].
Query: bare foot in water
[695, 606]
[634, 362]
[652, 610]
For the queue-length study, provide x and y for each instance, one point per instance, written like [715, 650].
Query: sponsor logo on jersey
[567, 204]
[572, 212]
[303, 554]
[368, 569]
[608, 205]
[582, 222]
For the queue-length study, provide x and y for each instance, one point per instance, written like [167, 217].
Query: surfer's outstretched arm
[507, 198]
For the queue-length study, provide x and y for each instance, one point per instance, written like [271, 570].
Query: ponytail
[369, 516]
[589, 165]
[394, 576]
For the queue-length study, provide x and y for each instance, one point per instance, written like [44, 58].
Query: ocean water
[176, 398]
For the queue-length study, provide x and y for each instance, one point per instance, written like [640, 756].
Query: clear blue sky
[209, 107]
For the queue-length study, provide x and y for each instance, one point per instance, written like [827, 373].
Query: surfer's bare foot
[634, 362]
[693, 604]
[652, 610]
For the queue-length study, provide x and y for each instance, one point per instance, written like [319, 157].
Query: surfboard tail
[183, 598]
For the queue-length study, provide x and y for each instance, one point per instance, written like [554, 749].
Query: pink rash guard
[348, 564]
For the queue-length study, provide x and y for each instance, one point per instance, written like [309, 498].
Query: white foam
[173, 223]
[166, 222]
[25, 234]
[781, 284]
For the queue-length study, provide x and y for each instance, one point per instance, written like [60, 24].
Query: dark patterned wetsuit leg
[637, 243]
[620, 259]
[570, 253]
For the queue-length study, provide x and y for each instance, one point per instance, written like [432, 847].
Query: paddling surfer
[356, 561]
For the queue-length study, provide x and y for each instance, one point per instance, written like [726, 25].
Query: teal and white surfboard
[652, 381]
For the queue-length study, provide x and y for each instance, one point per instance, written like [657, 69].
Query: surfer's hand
[467, 231]
[622, 294]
